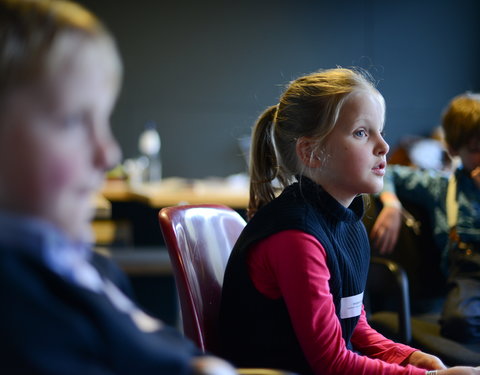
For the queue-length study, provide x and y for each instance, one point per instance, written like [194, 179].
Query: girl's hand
[385, 230]
[430, 362]
[424, 360]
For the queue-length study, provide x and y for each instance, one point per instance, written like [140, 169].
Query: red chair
[199, 240]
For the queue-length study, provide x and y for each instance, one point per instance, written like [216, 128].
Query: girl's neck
[344, 199]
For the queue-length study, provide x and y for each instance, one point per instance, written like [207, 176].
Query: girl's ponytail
[263, 162]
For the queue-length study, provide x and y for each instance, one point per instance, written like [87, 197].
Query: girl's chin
[374, 189]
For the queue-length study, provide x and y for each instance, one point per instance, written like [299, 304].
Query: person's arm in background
[386, 229]
[420, 187]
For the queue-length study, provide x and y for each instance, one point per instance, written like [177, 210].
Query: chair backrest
[199, 240]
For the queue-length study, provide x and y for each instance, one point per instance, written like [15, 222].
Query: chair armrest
[388, 277]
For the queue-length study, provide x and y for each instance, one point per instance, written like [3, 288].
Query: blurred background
[205, 70]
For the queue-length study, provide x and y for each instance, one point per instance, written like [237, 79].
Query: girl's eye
[360, 133]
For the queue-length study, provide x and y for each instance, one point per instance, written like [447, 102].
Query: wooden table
[103, 207]
[173, 191]
[133, 219]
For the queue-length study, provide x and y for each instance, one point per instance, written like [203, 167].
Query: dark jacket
[49, 325]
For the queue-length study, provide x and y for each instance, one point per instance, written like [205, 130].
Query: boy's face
[470, 155]
[55, 139]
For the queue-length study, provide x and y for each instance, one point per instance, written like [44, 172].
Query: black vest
[256, 331]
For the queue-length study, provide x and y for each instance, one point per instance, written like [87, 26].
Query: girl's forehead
[370, 94]
[361, 101]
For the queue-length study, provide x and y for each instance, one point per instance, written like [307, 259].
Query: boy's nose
[107, 153]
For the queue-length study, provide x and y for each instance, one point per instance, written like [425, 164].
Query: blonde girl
[293, 287]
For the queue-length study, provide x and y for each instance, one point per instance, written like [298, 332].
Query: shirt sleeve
[422, 187]
[292, 264]
[374, 345]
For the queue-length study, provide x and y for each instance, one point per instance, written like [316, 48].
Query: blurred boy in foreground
[65, 310]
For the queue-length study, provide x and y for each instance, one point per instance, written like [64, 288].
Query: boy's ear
[307, 152]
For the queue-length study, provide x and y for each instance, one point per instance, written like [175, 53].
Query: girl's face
[55, 139]
[353, 159]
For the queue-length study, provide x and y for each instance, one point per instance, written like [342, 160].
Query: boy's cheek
[60, 174]
[46, 183]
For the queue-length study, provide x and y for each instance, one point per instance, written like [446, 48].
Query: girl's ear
[307, 152]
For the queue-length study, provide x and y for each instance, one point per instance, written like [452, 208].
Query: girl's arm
[373, 344]
[292, 265]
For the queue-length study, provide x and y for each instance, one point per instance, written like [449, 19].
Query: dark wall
[204, 70]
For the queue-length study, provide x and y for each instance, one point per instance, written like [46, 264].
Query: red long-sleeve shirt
[301, 277]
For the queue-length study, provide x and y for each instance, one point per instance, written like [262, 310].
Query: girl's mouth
[379, 170]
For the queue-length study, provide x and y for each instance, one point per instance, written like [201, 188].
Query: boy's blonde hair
[29, 30]
[461, 120]
[309, 107]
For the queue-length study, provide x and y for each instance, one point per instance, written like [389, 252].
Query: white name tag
[351, 306]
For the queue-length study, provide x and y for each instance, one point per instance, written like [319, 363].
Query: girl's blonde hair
[309, 107]
[29, 30]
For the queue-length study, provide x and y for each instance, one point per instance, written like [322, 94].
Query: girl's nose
[382, 147]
